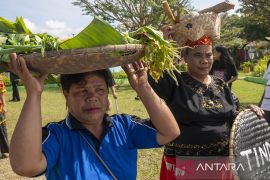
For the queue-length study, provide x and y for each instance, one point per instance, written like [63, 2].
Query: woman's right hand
[257, 110]
[33, 85]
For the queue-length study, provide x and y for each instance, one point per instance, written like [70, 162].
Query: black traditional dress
[203, 113]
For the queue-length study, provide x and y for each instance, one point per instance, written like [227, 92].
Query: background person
[111, 83]
[4, 146]
[224, 66]
[14, 82]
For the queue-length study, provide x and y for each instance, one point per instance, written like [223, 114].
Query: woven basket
[83, 60]
[249, 133]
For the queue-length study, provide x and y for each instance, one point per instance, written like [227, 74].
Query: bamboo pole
[168, 11]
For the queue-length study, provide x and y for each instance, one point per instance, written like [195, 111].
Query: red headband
[205, 40]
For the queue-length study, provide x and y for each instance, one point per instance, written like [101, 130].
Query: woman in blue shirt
[88, 143]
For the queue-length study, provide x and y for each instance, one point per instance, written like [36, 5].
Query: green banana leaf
[97, 33]
[6, 26]
[3, 39]
[18, 26]
[21, 27]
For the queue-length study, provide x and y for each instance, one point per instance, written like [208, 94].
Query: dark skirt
[4, 147]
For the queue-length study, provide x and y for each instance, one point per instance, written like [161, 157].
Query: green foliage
[257, 80]
[120, 75]
[259, 70]
[260, 67]
[159, 53]
[18, 26]
[182, 67]
[259, 9]
[253, 24]
[21, 27]
[247, 64]
[97, 33]
[251, 28]
[231, 32]
[53, 79]
[237, 31]
[6, 80]
[17, 38]
[257, 21]
[130, 14]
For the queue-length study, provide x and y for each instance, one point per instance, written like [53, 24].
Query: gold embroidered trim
[223, 143]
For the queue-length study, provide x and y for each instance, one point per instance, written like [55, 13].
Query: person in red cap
[204, 108]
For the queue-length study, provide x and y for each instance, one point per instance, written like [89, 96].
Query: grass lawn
[53, 109]
[247, 92]
[241, 74]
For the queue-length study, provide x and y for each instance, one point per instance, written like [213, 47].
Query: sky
[59, 17]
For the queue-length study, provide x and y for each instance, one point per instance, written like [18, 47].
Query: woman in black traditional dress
[204, 109]
[203, 105]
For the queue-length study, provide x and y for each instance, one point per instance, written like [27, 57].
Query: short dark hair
[66, 80]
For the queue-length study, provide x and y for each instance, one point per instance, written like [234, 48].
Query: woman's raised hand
[137, 74]
[32, 84]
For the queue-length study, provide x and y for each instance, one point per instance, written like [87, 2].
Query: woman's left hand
[137, 74]
[257, 110]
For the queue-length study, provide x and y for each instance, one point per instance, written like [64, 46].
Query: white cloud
[54, 28]
[30, 25]
[55, 24]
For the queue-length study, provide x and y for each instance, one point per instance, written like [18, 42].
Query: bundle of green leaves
[15, 37]
[159, 53]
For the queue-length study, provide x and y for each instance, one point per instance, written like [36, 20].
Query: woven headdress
[195, 28]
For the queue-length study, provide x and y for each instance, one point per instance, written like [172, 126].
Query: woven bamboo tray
[250, 134]
[218, 8]
[83, 60]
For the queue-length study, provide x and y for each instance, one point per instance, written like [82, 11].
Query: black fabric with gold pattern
[203, 113]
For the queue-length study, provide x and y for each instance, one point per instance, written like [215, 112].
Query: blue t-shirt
[70, 157]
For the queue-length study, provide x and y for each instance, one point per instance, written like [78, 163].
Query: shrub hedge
[257, 80]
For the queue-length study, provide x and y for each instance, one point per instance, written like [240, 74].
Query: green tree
[232, 35]
[256, 15]
[130, 14]
[255, 30]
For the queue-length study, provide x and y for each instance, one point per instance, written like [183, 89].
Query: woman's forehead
[92, 79]
[202, 49]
